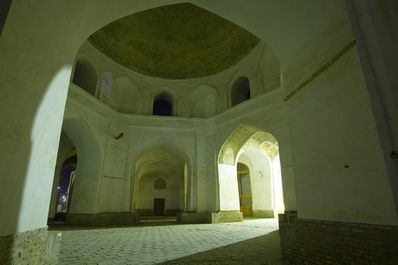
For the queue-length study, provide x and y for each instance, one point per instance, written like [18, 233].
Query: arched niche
[202, 101]
[163, 105]
[240, 90]
[159, 184]
[85, 76]
[125, 95]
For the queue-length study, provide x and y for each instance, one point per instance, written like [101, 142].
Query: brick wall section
[226, 217]
[32, 247]
[305, 241]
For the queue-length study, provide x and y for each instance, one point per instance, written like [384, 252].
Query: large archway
[88, 168]
[161, 182]
[249, 161]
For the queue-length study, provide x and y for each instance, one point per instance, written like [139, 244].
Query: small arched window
[85, 76]
[160, 184]
[163, 105]
[240, 90]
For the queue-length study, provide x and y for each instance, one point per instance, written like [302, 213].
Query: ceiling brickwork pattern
[174, 42]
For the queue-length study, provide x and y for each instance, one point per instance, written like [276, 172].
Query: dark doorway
[159, 206]
[65, 188]
[162, 108]
[163, 105]
[240, 90]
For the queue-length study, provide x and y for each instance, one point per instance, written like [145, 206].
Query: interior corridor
[253, 241]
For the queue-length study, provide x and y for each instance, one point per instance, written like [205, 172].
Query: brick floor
[250, 242]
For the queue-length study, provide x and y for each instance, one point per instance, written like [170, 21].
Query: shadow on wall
[85, 76]
[4, 8]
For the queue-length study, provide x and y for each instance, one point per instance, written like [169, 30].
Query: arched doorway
[65, 188]
[76, 177]
[65, 171]
[245, 190]
[249, 174]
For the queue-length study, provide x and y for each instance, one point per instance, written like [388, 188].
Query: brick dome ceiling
[174, 42]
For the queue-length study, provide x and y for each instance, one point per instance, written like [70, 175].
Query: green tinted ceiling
[174, 42]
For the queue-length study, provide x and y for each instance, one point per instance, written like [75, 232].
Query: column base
[31, 247]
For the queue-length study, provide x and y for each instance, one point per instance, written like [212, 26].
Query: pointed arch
[88, 168]
[260, 149]
[235, 141]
